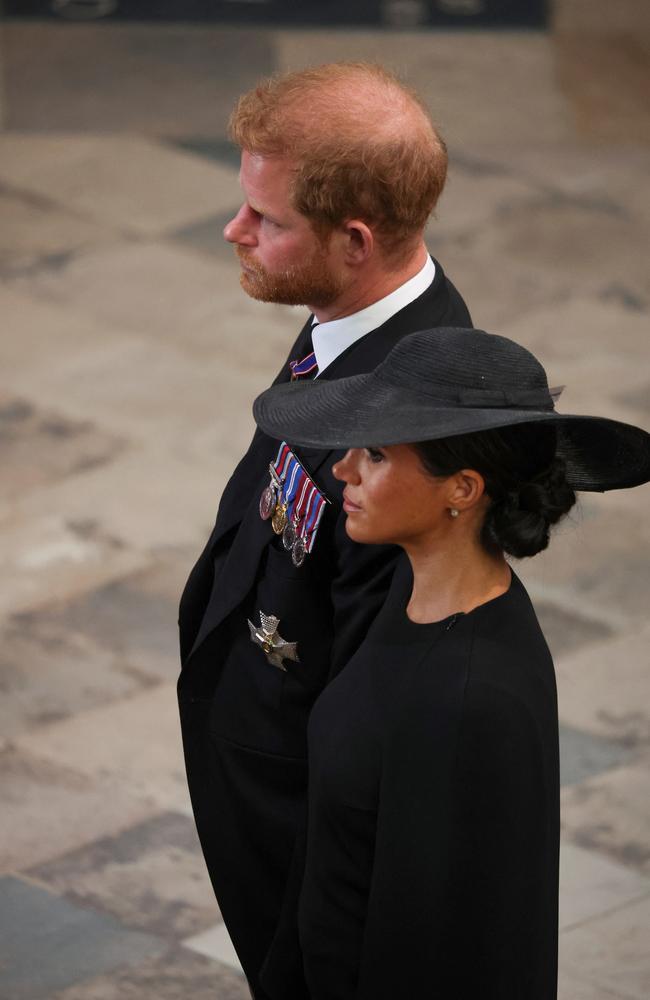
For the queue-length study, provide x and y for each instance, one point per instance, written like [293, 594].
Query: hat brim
[362, 410]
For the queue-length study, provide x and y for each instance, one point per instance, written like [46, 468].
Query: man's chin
[264, 291]
[253, 288]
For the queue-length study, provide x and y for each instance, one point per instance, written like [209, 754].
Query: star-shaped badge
[267, 637]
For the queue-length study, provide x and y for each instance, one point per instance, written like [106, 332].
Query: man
[340, 170]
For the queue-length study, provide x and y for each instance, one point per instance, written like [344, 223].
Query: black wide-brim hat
[448, 381]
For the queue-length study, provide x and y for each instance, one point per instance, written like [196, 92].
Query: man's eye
[375, 455]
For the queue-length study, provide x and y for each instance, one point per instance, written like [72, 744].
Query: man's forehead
[266, 180]
[258, 168]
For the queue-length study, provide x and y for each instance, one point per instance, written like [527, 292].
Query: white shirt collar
[332, 338]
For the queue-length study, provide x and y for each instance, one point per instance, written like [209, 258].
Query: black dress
[433, 835]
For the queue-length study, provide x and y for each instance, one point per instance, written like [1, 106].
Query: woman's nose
[240, 230]
[346, 468]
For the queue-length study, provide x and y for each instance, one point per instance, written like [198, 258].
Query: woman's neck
[449, 578]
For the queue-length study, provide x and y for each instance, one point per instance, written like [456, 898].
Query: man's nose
[239, 230]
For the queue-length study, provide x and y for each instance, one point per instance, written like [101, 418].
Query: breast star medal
[267, 637]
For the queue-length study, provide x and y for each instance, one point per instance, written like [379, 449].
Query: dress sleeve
[463, 896]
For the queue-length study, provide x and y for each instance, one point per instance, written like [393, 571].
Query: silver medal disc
[299, 551]
[289, 536]
[267, 503]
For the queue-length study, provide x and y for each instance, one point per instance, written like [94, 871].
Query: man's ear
[359, 241]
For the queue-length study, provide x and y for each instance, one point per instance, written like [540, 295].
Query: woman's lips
[348, 506]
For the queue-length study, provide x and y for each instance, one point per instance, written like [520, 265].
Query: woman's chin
[361, 533]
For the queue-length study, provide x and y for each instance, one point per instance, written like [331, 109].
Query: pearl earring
[453, 512]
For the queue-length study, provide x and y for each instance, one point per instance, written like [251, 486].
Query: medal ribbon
[304, 503]
[305, 367]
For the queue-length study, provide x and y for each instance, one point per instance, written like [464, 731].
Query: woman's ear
[467, 487]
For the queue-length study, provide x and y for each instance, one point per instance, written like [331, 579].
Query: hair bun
[519, 521]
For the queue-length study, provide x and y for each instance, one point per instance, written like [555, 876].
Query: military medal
[266, 636]
[269, 497]
[279, 519]
[289, 535]
[267, 503]
[299, 551]
[293, 503]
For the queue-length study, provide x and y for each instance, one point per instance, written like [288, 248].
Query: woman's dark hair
[524, 478]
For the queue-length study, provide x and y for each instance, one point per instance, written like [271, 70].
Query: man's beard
[308, 284]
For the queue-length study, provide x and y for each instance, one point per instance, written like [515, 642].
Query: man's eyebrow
[261, 211]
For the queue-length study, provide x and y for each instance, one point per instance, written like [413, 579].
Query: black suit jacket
[326, 606]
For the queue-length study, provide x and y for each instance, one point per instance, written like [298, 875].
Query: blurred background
[129, 357]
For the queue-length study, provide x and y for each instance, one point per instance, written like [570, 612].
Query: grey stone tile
[50, 809]
[581, 237]
[48, 943]
[611, 952]
[638, 400]
[500, 297]
[221, 150]
[596, 563]
[621, 294]
[582, 755]
[604, 75]
[603, 17]
[605, 690]
[49, 671]
[150, 877]
[177, 975]
[591, 885]
[520, 105]
[570, 988]
[610, 813]
[33, 229]
[583, 326]
[135, 187]
[476, 195]
[141, 752]
[215, 942]
[626, 582]
[37, 446]
[566, 631]
[207, 235]
[45, 336]
[588, 169]
[76, 77]
[137, 628]
[46, 549]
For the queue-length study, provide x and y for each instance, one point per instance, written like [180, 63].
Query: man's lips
[348, 505]
[246, 262]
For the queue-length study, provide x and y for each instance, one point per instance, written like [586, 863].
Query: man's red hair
[363, 144]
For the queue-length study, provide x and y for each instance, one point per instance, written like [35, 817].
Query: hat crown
[466, 366]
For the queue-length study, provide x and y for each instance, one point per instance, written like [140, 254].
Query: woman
[433, 835]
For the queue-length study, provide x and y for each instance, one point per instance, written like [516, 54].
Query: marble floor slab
[150, 877]
[60, 943]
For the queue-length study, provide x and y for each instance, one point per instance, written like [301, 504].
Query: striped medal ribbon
[294, 504]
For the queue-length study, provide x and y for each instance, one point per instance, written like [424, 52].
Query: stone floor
[128, 361]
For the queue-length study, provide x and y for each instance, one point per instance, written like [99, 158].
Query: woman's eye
[374, 454]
